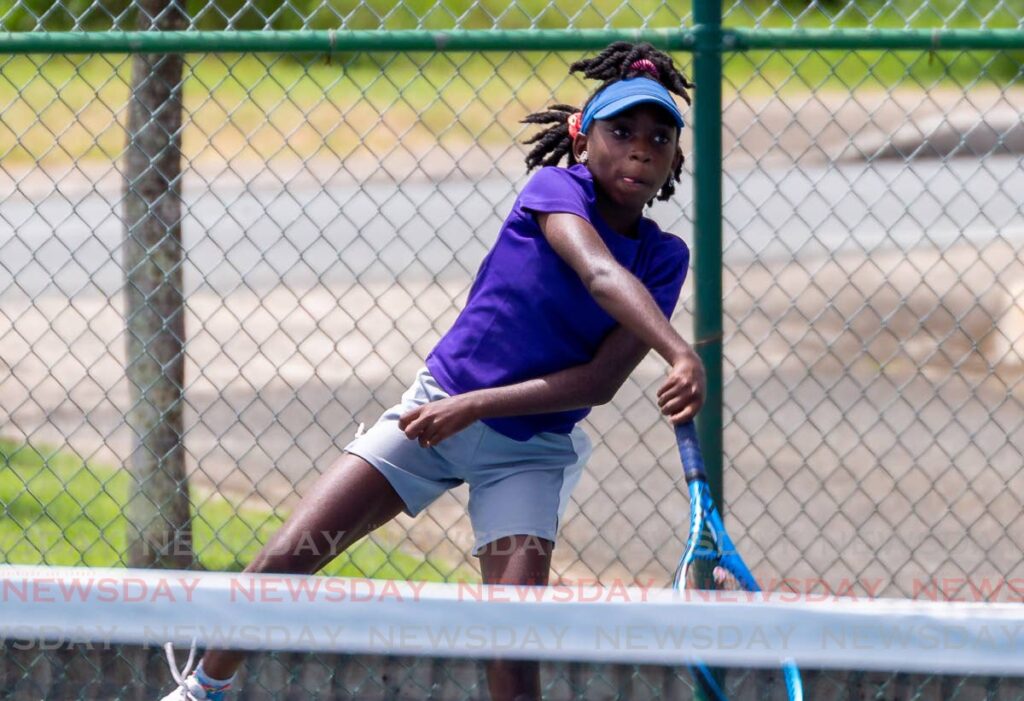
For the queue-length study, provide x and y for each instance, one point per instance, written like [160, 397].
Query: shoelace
[181, 676]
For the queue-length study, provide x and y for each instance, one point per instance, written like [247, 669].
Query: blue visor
[624, 94]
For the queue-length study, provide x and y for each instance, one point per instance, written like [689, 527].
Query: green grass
[73, 107]
[60, 108]
[841, 70]
[57, 510]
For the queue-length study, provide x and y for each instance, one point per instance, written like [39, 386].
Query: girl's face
[631, 155]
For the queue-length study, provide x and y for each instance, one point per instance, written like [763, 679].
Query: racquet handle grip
[689, 452]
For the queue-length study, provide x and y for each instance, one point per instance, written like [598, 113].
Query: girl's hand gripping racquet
[709, 549]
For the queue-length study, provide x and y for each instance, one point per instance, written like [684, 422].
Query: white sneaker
[189, 688]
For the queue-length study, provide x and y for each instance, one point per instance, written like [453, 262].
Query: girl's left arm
[578, 387]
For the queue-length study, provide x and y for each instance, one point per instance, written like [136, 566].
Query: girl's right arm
[624, 297]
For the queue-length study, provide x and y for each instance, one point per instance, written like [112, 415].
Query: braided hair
[617, 62]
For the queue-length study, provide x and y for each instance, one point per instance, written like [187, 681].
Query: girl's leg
[519, 559]
[347, 502]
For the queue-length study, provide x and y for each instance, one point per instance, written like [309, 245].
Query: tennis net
[88, 633]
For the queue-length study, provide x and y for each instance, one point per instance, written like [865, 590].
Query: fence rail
[468, 40]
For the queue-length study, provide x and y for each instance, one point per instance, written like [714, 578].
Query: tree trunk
[158, 509]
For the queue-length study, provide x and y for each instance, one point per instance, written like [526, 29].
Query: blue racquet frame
[716, 549]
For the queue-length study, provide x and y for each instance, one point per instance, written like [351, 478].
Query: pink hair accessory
[574, 124]
[645, 65]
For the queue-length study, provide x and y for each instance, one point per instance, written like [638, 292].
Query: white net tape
[624, 625]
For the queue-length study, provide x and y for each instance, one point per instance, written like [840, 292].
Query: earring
[583, 157]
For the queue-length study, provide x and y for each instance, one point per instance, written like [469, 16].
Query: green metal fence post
[707, 156]
[707, 238]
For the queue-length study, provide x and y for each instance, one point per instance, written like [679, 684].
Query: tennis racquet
[709, 545]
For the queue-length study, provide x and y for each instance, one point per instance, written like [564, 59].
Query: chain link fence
[874, 326]
[333, 215]
[122, 15]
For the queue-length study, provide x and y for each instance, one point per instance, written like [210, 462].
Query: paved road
[307, 229]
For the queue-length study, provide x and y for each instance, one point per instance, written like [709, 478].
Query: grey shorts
[515, 487]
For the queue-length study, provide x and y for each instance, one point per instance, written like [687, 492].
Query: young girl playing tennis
[578, 287]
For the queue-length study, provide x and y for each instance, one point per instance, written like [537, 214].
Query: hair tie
[574, 124]
[645, 65]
